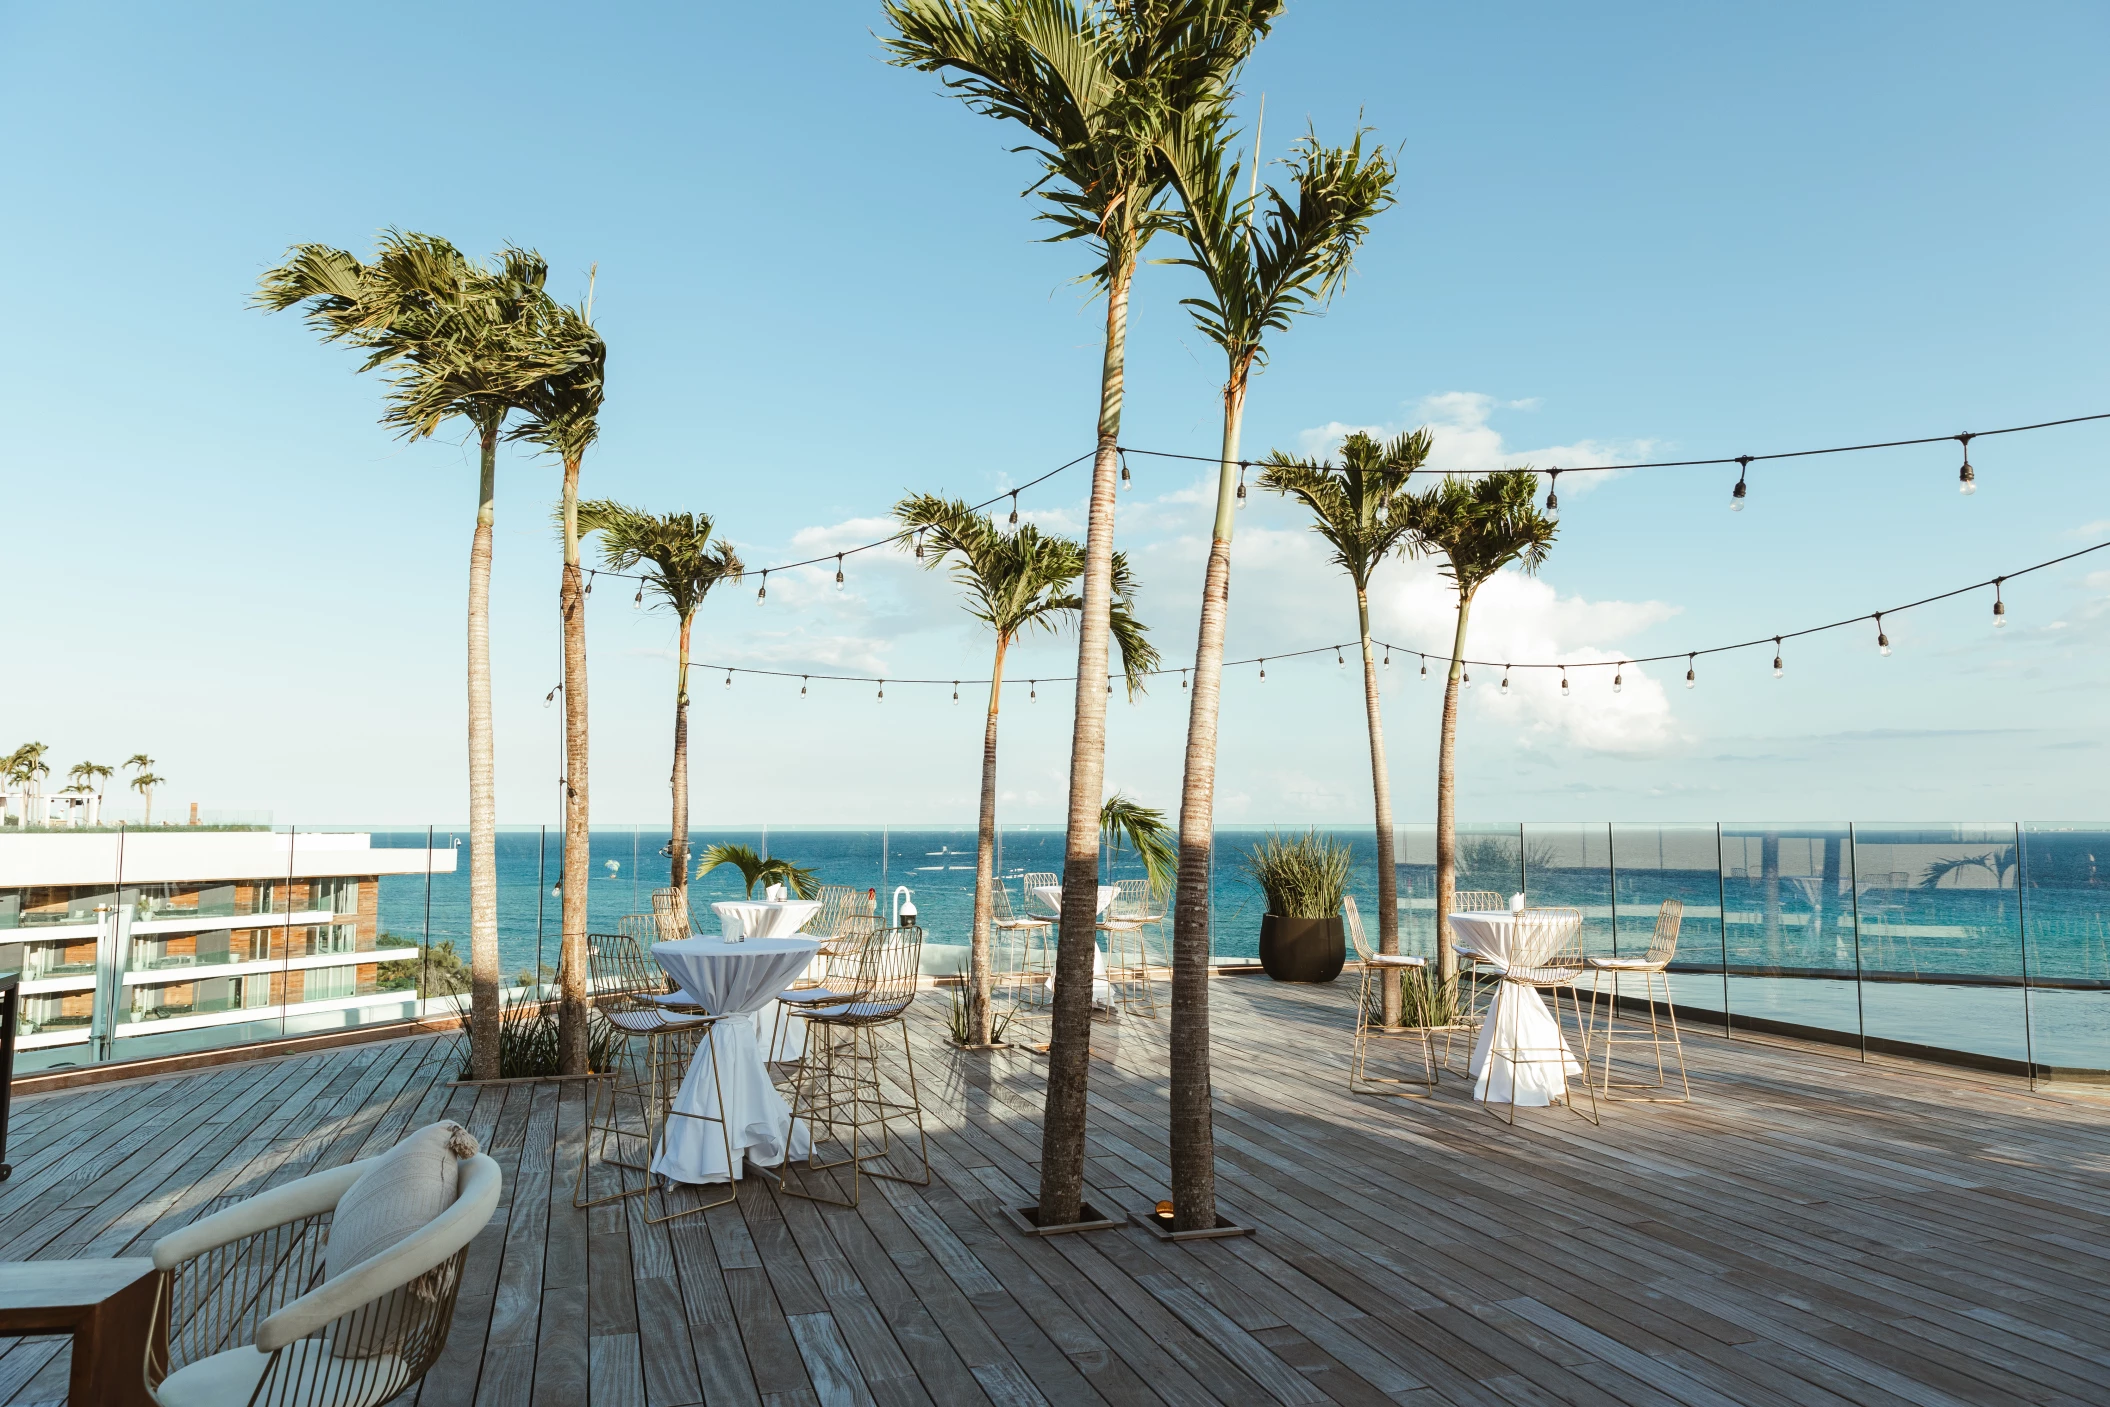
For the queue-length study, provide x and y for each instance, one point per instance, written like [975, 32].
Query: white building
[122, 935]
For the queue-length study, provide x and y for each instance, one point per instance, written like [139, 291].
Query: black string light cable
[1618, 665]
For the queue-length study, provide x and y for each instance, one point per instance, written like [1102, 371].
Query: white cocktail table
[756, 918]
[1102, 990]
[1518, 1015]
[738, 981]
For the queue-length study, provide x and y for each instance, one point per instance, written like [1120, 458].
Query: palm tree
[756, 869]
[1361, 509]
[680, 564]
[95, 773]
[459, 340]
[563, 413]
[25, 766]
[1129, 823]
[144, 784]
[1014, 582]
[1264, 258]
[1094, 84]
[1480, 526]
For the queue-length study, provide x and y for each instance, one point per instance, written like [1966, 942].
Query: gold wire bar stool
[839, 981]
[1480, 973]
[839, 1092]
[670, 909]
[1026, 962]
[1654, 965]
[1032, 883]
[1131, 913]
[1377, 970]
[654, 1042]
[1545, 955]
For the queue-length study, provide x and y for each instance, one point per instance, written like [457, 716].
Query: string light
[1014, 508]
[550, 697]
[1966, 477]
[1564, 681]
[1241, 484]
[1183, 679]
[1125, 482]
[1553, 497]
[1504, 690]
[804, 679]
[882, 691]
[838, 571]
[1388, 656]
[1424, 666]
[955, 691]
[1263, 669]
[1690, 678]
[762, 593]
[1339, 658]
[1619, 677]
[1109, 683]
[919, 545]
[1465, 680]
[728, 679]
[1776, 657]
[1736, 495]
[639, 603]
[1882, 640]
[589, 582]
[1999, 606]
[1032, 690]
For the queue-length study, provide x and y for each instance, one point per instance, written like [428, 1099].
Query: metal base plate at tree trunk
[993, 1045]
[1161, 1227]
[1089, 1218]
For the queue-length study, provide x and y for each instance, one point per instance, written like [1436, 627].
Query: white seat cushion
[1398, 960]
[306, 1370]
[1624, 964]
[402, 1192]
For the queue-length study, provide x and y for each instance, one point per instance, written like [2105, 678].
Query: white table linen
[1518, 1016]
[748, 918]
[740, 982]
[1102, 990]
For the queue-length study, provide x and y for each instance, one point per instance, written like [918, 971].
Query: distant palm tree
[1264, 258]
[95, 773]
[756, 869]
[25, 767]
[563, 416]
[1361, 508]
[458, 339]
[680, 564]
[1095, 85]
[144, 784]
[1480, 526]
[1014, 582]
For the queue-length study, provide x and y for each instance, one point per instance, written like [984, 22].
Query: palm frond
[755, 869]
[1145, 830]
[673, 552]
[1360, 507]
[1483, 524]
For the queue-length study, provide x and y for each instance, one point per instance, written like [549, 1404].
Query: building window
[333, 938]
[323, 983]
[337, 896]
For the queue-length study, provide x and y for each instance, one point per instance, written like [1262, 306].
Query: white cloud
[1466, 443]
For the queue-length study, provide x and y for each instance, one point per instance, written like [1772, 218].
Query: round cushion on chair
[1623, 964]
[404, 1190]
[1397, 960]
[306, 1373]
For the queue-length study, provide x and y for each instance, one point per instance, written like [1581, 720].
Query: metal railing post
[1853, 879]
[1721, 909]
[2029, 1052]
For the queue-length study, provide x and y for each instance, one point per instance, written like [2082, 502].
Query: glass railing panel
[1941, 937]
[1656, 863]
[1568, 866]
[1490, 857]
[2066, 919]
[1414, 852]
[1789, 926]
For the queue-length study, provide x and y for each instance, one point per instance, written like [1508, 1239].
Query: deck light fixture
[1966, 477]
[1736, 495]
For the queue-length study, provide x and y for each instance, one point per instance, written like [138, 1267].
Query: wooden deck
[1807, 1231]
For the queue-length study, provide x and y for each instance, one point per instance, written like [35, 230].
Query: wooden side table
[108, 1308]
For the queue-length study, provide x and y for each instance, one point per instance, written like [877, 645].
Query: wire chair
[839, 981]
[1651, 967]
[245, 1286]
[1025, 961]
[1030, 887]
[1132, 912]
[1545, 955]
[670, 910]
[839, 1092]
[654, 1044]
[1481, 974]
[1378, 969]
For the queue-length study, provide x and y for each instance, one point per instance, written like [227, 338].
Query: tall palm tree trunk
[483, 782]
[578, 841]
[1381, 792]
[678, 845]
[985, 881]
[1070, 1024]
[1193, 1127]
[1447, 804]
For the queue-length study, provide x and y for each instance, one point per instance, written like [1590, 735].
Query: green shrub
[1303, 876]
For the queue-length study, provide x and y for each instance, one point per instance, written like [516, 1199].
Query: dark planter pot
[1302, 949]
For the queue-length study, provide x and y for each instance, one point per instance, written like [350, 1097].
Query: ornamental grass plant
[1303, 876]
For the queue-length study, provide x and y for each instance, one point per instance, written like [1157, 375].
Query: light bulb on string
[1553, 497]
[1014, 508]
[1241, 485]
[728, 679]
[955, 691]
[1966, 477]
[1109, 683]
[1388, 656]
[1263, 669]
[1032, 690]
[1619, 677]
[1690, 678]
[1504, 690]
[1339, 658]
[882, 691]
[919, 544]
[1999, 606]
[1736, 495]
[762, 592]
[589, 582]
[1564, 681]
[1776, 657]
[1465, 680]
[639, 603]
[804, 679]
[1882, 640]
[1424, 666]
[838, 571]
[1183, 679]
[1125, 481]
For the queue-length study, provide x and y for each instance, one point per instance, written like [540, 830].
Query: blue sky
[1656, 231]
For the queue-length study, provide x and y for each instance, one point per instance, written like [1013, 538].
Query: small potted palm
[1303, 877]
